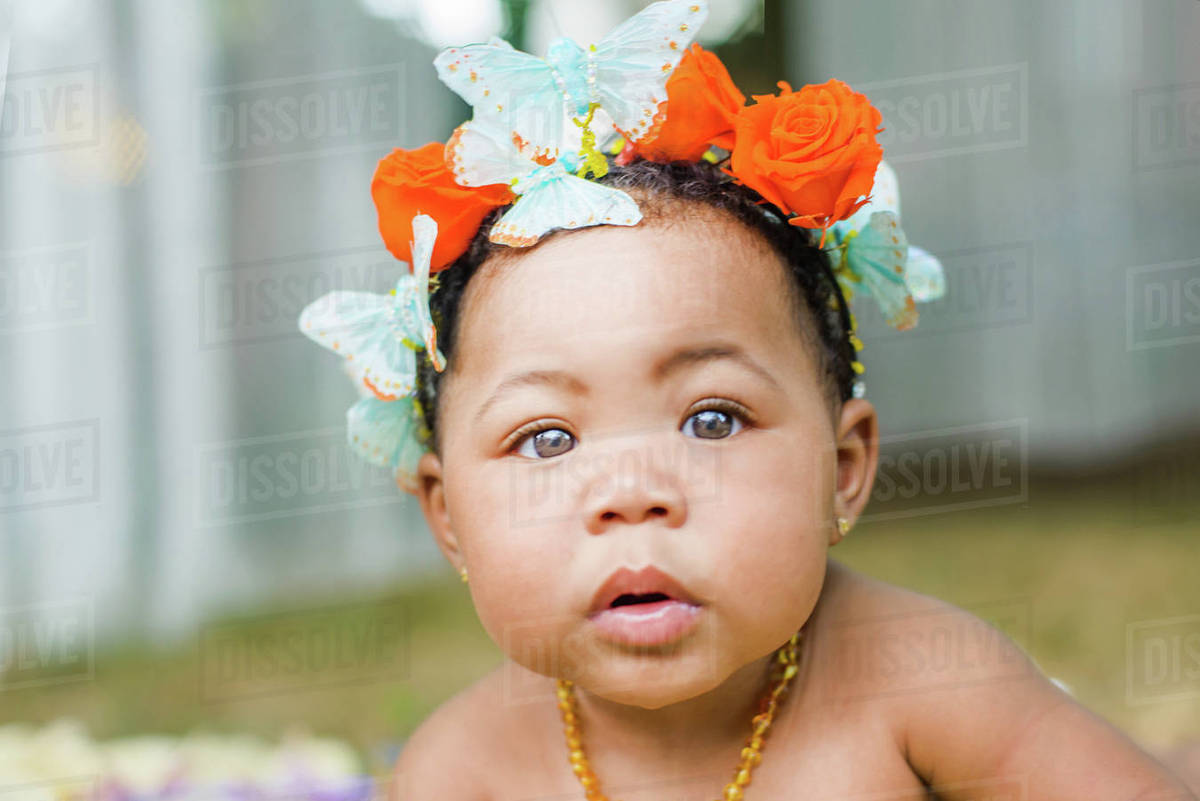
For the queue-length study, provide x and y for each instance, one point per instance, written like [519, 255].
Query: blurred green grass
[1078, 566]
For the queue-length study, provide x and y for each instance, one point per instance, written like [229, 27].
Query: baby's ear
[431, 492]
[857, 455]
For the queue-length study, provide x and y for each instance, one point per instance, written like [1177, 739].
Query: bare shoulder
[467, 749]
[919, 652]
[855, 595]
[896, 655]
[431, 762]
[968, 703]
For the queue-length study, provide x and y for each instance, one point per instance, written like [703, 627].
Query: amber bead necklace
[784, 671]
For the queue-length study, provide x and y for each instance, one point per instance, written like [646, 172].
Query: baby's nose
[635, 491]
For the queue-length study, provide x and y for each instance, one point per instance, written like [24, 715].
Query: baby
[636, 429]
[642, 448]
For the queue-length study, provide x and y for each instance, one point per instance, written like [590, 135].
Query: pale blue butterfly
[870, 249]
[387, 434]
[924, 275]
[380, 334]
[874, 257]
[625, 74]
[550, 196]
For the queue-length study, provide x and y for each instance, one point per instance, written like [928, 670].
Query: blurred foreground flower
[59, 762]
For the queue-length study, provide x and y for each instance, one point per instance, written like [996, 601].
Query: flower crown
[538, 141]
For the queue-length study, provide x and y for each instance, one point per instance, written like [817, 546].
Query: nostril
[653, 511]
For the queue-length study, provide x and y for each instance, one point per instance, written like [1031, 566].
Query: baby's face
[682, 426]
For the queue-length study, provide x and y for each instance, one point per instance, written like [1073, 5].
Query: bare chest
[815, 753]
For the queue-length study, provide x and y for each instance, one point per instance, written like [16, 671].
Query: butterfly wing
[360, 327]
[878, 255]
[565, 202]
[604, 128]
[512, 86]
[924, 275]
[344, 322]
[385, 434]
[425, 232]
[482, 152]
[634, 61]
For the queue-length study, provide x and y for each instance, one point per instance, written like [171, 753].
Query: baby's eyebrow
[688, 356]
[554, 378]
[691, 356]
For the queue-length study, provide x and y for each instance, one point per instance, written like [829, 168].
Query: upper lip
[638, 582]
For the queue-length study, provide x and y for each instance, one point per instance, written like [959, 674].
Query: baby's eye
[545, 443]
[720, 420]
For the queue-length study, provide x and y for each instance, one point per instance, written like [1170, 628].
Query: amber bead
[751, 754]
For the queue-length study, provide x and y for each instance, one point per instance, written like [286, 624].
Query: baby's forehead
[616, 286]
[695, 243]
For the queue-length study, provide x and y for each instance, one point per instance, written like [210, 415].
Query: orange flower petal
[411, 182]
[812, 153]
[702, 104]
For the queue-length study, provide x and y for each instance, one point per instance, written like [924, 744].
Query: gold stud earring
[462, 573]
[843, 526]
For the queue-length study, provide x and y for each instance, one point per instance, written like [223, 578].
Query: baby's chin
[639, 676]
[657, 692]
[653, 682]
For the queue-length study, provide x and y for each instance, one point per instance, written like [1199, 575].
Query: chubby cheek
[777, 494]
[516, 558]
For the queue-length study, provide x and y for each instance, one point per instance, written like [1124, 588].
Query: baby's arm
[1026, 732]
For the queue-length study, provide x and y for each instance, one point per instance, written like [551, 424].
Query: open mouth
[631, 599]
[643, 607]
[640, 589]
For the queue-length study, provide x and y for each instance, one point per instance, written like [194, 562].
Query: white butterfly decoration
[380, 334]
[550, 195]
[624, 74]
[870, 249]
[384, 433]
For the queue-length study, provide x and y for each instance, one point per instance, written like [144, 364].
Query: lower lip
[655, 623]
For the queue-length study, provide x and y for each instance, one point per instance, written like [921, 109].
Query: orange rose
[412, 182]
[812, 153]
[701, 107]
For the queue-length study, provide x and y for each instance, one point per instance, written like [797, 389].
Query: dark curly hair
[662, 192]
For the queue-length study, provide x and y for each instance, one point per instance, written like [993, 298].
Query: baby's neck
[716, 721]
